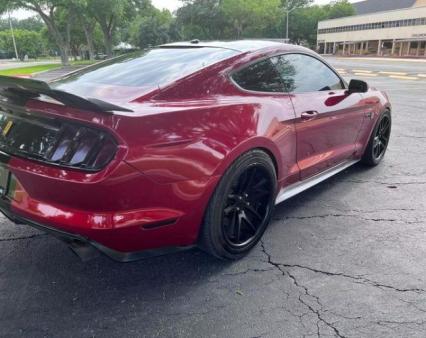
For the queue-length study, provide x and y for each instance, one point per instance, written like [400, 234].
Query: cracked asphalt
[346, 258]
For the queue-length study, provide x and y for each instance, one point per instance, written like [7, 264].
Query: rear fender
[253, 143]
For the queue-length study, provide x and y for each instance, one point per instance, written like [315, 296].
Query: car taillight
[82, 147]
[56, 142]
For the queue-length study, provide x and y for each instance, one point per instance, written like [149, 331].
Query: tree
[304, 24]
[111, 14]
[289, 6]
[201, 19]
[230, 19]
[107, 13]
[293, 4]
[305, 20]
[86, 23]
[3, 7]
[51, 12]
[339, 9]
[155, 29]
[28, 42]
[249, 17]
[31, 24]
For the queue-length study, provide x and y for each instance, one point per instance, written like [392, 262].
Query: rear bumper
[84, 246]
[123, 213]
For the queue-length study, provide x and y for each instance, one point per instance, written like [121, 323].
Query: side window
[260, 77]
[302, 74]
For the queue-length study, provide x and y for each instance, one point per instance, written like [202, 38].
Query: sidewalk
[56, 73]
[369, 58]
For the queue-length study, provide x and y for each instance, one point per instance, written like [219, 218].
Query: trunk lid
[47, 137]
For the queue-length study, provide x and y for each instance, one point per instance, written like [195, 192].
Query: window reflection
[261, 77]
[303, 74]
[287, 72]
[150, 68]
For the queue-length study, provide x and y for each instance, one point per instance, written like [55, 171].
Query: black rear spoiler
[19, 90]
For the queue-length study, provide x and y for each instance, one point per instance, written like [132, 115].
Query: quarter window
[260, 77]
[302, 73]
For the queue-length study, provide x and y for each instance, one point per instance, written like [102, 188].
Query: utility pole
[13, 37]
[287, 11]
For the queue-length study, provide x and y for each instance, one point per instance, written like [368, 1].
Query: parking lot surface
[346, 258]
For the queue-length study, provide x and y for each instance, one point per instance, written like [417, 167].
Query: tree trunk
[90, 46]
[64, 50]
[107, 27]
[88, 32]
[62, 43]
[239, 29]
[108, 44]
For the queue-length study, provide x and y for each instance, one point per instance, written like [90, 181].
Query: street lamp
[13, 36]
[288, 11]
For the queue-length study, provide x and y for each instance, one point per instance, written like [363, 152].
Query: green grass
[42, 68]
[29, 70]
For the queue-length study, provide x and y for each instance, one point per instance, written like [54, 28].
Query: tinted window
[303, 73]
[261, 77]
[141, 69]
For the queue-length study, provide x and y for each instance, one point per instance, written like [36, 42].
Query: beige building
[382, 27]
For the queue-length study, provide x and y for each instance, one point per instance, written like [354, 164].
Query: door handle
[309, 115]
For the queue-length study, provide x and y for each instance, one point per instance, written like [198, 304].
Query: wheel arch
[260, 143]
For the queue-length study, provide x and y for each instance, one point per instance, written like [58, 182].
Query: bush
[28, 43]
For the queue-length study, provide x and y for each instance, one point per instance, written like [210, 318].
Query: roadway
[346, 258]
[402, 69]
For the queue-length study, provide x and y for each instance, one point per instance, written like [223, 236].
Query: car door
[328, 119]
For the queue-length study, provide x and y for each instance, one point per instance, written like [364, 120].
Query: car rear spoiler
[21, 89]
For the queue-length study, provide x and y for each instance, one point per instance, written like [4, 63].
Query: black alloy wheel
[379, 140]
[241, 207]
[247, 206]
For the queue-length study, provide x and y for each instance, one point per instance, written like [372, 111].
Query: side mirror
[357, 86]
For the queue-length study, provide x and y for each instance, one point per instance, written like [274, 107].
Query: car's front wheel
[241, 207]
[379, 140]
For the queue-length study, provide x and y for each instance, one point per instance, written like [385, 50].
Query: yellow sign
[7, 128]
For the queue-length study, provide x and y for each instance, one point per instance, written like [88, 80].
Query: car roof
[242, 46]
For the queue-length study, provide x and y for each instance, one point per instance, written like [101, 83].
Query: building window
[376, 25]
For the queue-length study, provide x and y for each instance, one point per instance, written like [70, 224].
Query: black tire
[379, 140]
[241, 207]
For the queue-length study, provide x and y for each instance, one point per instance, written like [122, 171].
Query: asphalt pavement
[400, 69]
[346, 258]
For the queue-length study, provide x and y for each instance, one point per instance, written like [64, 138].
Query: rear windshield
[149, 68]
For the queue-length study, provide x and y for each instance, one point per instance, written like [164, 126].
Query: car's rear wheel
[379, 140]
[241, 207]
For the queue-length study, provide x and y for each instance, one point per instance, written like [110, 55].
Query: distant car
[101, 56]
[186, 144]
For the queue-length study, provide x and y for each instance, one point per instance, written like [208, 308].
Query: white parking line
[393, 73]
[403, 77]
[362, 71]
[421, 75]
[365, 74]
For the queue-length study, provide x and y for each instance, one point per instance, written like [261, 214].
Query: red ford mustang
[187, 144]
